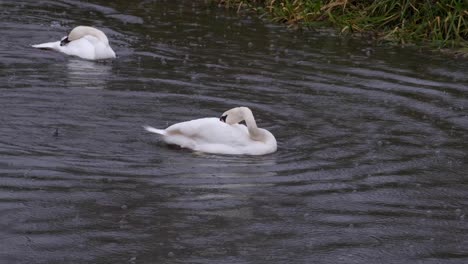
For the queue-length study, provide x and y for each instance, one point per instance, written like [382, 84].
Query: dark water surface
[371, 164]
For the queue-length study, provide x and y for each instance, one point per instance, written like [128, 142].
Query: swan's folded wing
[193, 128]
[82, 48]
[211, 131]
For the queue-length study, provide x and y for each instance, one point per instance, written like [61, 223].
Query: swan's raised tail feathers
[49, 45]
[155, 130]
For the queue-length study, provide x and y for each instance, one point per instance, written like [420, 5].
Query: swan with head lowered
[221, 135]
[85, 42]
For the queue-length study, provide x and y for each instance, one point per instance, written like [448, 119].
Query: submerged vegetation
[441, 23]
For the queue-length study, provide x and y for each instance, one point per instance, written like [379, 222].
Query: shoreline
[437, 25]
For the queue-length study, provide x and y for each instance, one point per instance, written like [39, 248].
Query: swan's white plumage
[84, 42]
[211, 135]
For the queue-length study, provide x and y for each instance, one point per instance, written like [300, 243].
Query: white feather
[91, 44]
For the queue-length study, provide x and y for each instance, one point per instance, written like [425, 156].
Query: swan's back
[210, 130]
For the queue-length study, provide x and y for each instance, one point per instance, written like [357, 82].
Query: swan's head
[235, 115]
[81, 31]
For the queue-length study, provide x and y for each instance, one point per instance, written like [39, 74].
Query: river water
[371, 164]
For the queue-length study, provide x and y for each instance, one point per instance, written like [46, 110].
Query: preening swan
[221, 135]
[84, 42]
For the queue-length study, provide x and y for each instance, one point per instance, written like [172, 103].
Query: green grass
[442, 24]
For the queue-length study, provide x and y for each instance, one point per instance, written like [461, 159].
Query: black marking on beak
[223, 118]
[64, 41]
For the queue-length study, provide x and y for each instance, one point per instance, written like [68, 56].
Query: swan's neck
[81, 31]
[254, 131]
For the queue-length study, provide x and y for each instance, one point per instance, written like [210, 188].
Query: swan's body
[84, 42]
[221, 136]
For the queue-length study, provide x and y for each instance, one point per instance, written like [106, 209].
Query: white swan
[85, 42]
[221, 135]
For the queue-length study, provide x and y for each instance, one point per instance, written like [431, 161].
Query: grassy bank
[442, 24]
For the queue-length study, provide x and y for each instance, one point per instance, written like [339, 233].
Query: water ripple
[371, 146]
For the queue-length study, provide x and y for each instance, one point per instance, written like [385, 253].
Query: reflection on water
[87, 74]
[372, 146]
